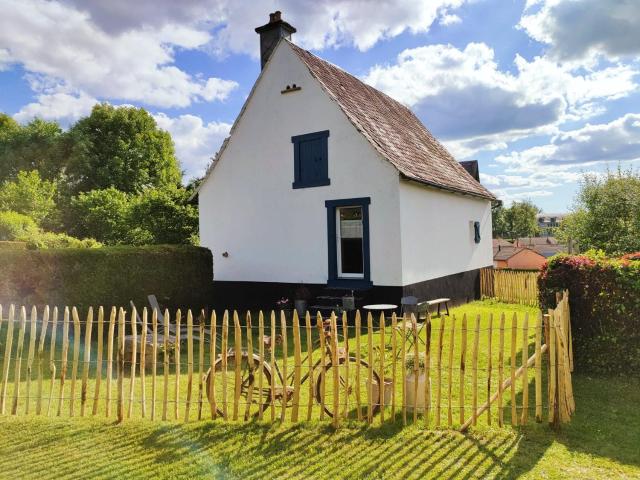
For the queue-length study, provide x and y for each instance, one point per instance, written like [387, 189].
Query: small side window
[476, 232]
[311, 159]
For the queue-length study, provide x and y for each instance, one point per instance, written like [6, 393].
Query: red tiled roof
[393, 129]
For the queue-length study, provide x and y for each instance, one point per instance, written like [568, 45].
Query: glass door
[350, 244]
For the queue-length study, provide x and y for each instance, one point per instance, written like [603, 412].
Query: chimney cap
[275, 20]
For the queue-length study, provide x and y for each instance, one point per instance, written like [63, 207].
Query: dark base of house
[460, 288]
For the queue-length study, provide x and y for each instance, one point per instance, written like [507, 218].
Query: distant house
[545, 246]
[501, 242]
[520, 258]
[550, 220]
[329, 182]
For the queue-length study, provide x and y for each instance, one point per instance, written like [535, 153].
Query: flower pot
[409, 386]
[301, 307]
[388, 391]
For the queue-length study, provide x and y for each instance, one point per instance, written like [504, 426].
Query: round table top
[380, 306]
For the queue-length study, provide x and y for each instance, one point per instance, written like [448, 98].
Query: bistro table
[380, 307]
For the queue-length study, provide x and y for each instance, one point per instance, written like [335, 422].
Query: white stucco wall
[437, 233]
[249, 209]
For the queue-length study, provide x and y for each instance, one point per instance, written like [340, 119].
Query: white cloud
[616, 141]
[466, 99]
[65, 44]
[449, 19]
[196, 141]
[581, 29]
[63, 107]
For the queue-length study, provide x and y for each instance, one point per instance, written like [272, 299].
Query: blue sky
[539, 91]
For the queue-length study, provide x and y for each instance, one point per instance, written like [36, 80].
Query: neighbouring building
[550, 220]
[326, 181]
[519, 258]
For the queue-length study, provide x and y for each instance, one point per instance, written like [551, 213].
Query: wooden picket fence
[510, 286]
[286, 368]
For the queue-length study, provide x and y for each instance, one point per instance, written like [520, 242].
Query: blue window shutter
[311, 160]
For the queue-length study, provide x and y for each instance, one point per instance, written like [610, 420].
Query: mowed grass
[601, 442]
[176, 388]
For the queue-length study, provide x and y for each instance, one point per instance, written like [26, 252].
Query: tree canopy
[518, 220]
[606, 213]
[123, 148]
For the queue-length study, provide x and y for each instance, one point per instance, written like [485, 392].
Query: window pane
[351, 242]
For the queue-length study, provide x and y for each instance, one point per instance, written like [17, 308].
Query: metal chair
[409, 305]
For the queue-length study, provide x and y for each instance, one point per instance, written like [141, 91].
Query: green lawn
[601, 442]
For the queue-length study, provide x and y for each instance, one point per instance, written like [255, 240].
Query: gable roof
[505, 253]
[393, 129]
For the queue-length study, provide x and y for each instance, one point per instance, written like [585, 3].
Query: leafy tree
[518, 220]
[166, 215]
[606, 213]
[101, 214]
[16, 226]
[123, 148]
[29, 195]
[39, 145]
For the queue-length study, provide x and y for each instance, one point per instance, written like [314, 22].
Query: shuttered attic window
[311, 159]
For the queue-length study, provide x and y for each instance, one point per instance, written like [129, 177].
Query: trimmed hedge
[179, 276]
[604, 296]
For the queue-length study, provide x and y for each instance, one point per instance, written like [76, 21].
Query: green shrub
[16, 226]
[604, 296]
[179, 276]
[60, 240]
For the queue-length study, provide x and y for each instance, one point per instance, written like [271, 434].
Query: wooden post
[524, 416]
[86, 364]
[224, 352]
[309, 366]
[250, 366]
[463, 356]
[65, 354]
[76, 358]
[112, 323]
[213, 332]
[394, 363]
[190, 363]
[260, 368]
[450, 392]
[514, 337]
[439, 371]
[285, 355]
[552, 369]
[237, 349]
[500, 372]
[323, 363]
[143, 364]
[403, 347]
[7, 358]
[297, 367]
[474, 378]
[19, 348]
[272, 358]
[336, 372]
[358, 359]
[121, 335]
[370, 369]
[201, 364]
[347, 386]
[382, 352]
[43, 334]
[427, 371]
[134, 353]
[489, 365]
[96, 393]
[178, 367]
[416, 366]
[52, 357]
[165, 365]
[538, 367]
[154, 364]
[30, 356]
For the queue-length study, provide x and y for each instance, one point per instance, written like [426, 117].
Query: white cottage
[328, 182]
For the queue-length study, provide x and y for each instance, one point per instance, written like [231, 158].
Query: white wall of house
[438, 235]
[272, 232]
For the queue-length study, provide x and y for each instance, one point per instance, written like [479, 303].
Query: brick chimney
[271, 33]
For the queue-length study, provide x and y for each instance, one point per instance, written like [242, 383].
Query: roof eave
[447, 189]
